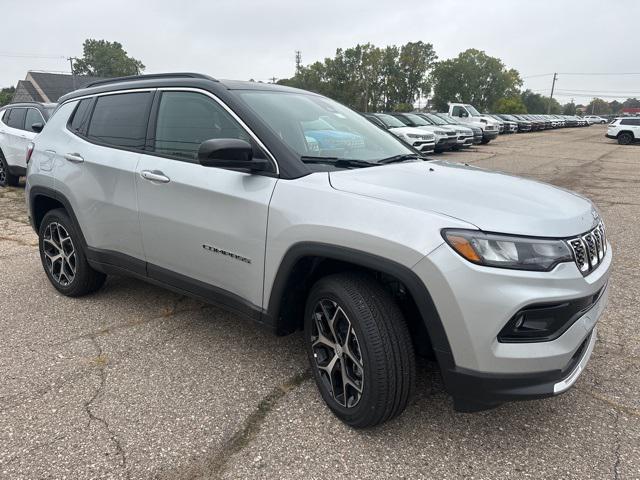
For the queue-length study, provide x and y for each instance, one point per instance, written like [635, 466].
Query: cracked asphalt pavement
[136, 382]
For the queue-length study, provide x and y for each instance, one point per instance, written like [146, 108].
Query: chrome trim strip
[565, 384]
[186, 89]
[230, 112]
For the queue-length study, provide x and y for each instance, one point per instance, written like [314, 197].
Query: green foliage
[473, 77]
[598, 107]
[569, 109]
[510, 105]
[537, 103]
[368, 78]
[6, 95]
[106, 59]
[631, 103]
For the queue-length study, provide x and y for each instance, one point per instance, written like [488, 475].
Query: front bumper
[475, 302]
[613, 137]
[490, 135]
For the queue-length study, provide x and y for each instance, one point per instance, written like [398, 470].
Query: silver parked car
[297, 212]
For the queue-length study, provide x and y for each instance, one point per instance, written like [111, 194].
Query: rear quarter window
[121, 119]
[16, 118]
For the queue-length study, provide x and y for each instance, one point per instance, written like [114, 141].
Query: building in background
[48, 87]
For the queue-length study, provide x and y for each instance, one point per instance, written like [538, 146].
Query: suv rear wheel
[625, 138]
[6, 179]
[63, 256]
[359, 348]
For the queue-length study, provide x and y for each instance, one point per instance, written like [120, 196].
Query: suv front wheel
[63, 256]
[359, 348]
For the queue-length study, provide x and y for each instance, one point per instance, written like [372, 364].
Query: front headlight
[441, 132]
[507, 251]
[420, 137]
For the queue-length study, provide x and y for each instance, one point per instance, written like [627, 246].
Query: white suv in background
[595, 119]
[625, 130]
[19, 124]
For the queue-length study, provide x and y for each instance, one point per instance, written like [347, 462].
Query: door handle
[74, 157]
[155, 176]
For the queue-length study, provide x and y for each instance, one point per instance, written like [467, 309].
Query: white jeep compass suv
[19, 124]
[235, 193]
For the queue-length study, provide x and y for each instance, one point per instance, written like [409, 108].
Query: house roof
[49, 87]
[26, 92]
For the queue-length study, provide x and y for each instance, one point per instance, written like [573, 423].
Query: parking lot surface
[137, 382]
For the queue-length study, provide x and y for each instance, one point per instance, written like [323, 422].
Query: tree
[631, 103]
[537, 103]
[510, 105]
[106, 59]
[473, 77]
[368, 78]
[6, 95]
[616, 107]
[598, 107]
[569, 109]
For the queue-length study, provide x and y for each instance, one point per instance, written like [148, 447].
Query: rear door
[96, 169]
[203, 228]
[15, 141]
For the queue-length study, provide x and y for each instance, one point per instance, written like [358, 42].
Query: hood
[492, 201]
[410, 130]
[489, 120]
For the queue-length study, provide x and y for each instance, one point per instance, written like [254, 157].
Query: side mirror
[37, 127]
[229, 153]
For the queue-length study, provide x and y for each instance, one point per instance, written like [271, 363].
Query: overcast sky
[244, 39]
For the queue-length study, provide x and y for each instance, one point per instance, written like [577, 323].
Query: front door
[203, 228]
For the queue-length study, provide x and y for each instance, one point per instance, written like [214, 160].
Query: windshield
[318, 128]
[421, 122]
[435, 119]
[473, 111]
[390, 121]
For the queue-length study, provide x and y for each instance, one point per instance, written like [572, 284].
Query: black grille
[589, 249]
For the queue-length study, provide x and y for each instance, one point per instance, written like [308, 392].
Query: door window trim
[226, 108]
[156, 91]
[28, 128]
[84, 134]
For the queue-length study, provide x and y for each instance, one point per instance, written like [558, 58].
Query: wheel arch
[45, 199]
[625, 131]
[306, 262]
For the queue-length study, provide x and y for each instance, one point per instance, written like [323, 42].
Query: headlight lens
[506, 251]
[441, 132]
[421, 137]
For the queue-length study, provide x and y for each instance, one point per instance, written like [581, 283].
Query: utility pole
[553, 86]
[273, 79]
[298, 61]
[73, 75]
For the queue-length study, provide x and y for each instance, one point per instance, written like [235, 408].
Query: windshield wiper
[401, 158]
[338, 162]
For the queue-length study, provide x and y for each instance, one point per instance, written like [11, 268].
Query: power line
[29, 55]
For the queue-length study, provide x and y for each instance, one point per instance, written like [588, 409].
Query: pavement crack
[616, 452]
[253, 424]
[101, 362]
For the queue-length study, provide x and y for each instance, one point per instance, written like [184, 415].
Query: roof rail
[150, 77]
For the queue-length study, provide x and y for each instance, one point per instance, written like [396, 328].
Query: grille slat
[589, 249]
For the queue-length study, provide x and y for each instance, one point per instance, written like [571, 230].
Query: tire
[485, 141]
[6, 178]
[367, 327]
[69, 272]
[625, 138]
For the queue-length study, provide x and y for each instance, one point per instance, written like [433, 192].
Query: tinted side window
[33, 116]
[186, 119]
[121, 119]
[457, 110]
[80, 117]
[630, 121]
[5, 115]
[16, 118]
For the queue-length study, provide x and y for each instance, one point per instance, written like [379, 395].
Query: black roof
[181, 79]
